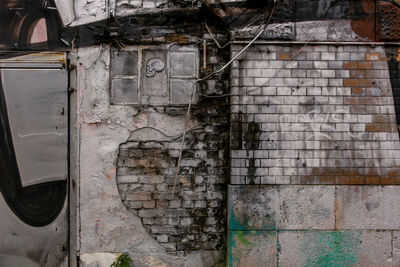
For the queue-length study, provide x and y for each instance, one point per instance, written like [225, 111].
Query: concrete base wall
[314, 225]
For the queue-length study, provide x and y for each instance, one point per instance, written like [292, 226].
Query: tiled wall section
[324, 115]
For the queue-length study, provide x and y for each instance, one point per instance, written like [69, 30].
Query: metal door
[33, 160]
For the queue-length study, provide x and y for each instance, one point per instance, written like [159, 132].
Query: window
[165, 75]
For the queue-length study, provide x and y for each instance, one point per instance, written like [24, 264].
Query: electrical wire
[204, 78]
[215, 39]
[287, 62]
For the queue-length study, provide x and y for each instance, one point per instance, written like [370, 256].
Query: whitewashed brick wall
[325, 117]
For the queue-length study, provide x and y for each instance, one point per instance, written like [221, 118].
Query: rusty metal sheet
[388, 21]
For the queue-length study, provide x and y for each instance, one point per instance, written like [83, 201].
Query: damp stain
[252, 142]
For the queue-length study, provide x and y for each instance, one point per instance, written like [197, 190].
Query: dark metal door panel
[33, 160]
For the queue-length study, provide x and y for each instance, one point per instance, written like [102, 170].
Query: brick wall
[325, 117]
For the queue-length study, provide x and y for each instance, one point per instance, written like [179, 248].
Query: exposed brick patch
[194, 217]
[350, 65]
[364, 65]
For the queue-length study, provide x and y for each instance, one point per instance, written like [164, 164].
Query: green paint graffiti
[243, 239]
[246, 246]
[231, 248]
[331, 248]
[235, 223]
[241, 221]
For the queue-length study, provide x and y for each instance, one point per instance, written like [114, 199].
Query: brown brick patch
[387, 180]
[357, 180]
[377, 127]
[364, 65]
[327, 180]
[350, 65]
[342, 180]
[364, 83]
[371, 180]
[350, 82]
[360, 100]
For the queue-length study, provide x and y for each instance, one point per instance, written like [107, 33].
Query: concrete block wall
[314, 156]
[308, 225]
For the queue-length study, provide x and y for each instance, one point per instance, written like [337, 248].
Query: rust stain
[284, 56]
[110, 173]
[366, 28]
[352, 176]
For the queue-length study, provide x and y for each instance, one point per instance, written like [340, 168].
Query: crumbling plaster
[106, 225]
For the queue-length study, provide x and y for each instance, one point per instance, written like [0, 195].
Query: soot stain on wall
[394, 72]
[252, 142]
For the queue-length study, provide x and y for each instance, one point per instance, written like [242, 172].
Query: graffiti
[317, 125]
[339, 248]
[36, 205]
[30, 25]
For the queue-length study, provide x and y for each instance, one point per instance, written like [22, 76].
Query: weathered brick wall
[325, 117]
